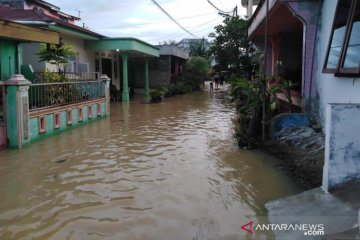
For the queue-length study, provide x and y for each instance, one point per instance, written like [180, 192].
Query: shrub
[156, 95]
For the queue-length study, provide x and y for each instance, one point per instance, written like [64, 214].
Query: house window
[342, 55]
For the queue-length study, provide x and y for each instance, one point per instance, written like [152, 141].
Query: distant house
[94, 52]
[164, 70]
[316, 44]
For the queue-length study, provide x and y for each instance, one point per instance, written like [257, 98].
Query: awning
[132, 46]
[22, 32]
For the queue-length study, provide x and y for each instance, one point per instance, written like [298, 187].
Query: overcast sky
[142, 19]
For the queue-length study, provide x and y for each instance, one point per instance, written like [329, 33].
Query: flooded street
[170, 170]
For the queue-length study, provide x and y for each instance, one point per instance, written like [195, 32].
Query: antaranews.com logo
[307, 229]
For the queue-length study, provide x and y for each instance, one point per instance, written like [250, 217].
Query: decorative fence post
[107, 80]
[17, 111]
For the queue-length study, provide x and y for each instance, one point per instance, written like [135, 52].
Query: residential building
[11, 36]
[316, 45]
[164, 70]
[27, 111]
[94, 52]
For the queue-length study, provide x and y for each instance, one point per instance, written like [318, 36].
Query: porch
[291, 47]
[114, 56]
[11, 35]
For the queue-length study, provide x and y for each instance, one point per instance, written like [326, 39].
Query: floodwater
[170, 170]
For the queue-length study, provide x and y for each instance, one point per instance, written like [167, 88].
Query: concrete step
[315, 206]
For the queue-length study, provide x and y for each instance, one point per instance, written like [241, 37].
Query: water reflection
[151, 171]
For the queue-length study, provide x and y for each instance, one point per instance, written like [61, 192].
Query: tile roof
[12, 14]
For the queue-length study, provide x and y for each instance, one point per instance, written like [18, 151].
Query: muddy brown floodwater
[170, 170]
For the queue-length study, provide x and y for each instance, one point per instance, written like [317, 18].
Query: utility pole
[264, 72]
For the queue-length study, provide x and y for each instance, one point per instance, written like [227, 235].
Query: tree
[197, 49]
[231, 46]
[196, 70]
[169, 42]
[56, 54]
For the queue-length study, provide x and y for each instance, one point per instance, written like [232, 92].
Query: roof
[33, 17]
[53, 8]
[173, 51]
[20, 32]
[130, 45]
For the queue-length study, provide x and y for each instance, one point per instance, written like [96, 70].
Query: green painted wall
[34, 122]
[11, 115]
[7, 58]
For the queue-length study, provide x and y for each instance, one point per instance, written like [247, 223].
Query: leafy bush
[156, 95]
[249, 98]
[196, 70]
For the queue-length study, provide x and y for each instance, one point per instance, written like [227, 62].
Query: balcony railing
[46, 95]
[87, 76]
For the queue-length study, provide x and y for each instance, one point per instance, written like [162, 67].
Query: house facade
[165, 70]
[316, 45]
[12, 35]
[27, 111]
[105, 58]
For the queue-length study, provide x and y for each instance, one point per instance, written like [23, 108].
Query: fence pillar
[17, 111]
[107, 80]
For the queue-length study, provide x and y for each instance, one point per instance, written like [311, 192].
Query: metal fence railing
[2, 102]
[46, 95]
[41, 77]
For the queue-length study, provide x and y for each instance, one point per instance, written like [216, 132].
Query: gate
[2, 116]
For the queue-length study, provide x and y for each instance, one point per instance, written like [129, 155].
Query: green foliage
[170, 42]
[51, 77]
[156, 95]
[249, 98]
[196, 70]
[231, 46]
[197, 49]
[179, 88]
[285, 86]
[55, 94]
[55, 54]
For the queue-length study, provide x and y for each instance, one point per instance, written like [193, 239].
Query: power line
[149, 23]
[192, 28]
[172, 18]
[221, 11]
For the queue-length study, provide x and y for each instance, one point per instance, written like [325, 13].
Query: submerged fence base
[24, 125]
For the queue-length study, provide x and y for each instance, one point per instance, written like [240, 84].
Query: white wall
[332, 89]
[31, 49]
[340, 112]
[78, 45]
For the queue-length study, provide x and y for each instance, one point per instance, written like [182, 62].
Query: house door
[2, 116]
[106, 67]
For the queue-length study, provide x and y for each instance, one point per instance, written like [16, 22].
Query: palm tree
[197, 49]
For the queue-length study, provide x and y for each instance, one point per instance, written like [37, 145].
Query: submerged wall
[44, 123]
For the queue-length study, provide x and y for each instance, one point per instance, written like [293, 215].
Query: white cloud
[142, 19]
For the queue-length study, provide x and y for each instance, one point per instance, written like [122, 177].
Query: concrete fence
[24, 125]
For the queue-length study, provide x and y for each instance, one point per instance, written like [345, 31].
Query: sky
[142, 19]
